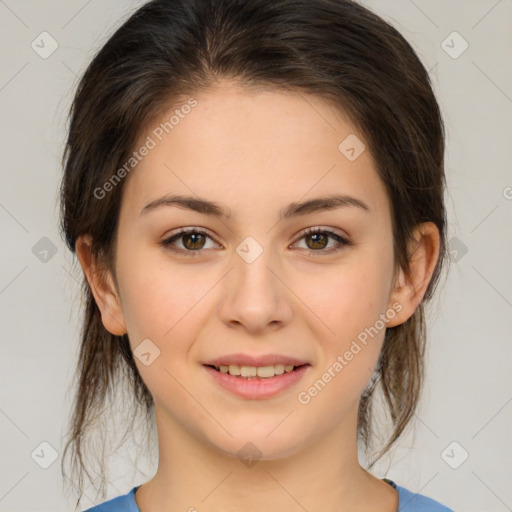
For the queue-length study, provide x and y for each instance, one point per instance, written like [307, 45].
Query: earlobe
[409, 289]
[102, 286]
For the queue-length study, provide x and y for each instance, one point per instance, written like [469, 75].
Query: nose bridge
[255, 296]
[252, 273]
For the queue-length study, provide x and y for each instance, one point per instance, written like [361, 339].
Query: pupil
[321, 236]
[193, 236]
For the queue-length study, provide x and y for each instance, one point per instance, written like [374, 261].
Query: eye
[319, 239]
[192, 240]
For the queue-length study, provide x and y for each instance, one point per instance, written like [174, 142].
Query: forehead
[253, 150]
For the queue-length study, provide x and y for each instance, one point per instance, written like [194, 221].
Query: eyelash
[342, 242]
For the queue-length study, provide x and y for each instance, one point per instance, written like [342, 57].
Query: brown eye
[317, 240]
[192, 241]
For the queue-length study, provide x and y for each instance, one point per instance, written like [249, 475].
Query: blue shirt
[407, 502]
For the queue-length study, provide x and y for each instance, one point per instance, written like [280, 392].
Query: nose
[255, 295]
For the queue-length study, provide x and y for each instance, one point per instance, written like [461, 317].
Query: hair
[336, 50]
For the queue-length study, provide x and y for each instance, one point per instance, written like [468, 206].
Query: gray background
[468, 395]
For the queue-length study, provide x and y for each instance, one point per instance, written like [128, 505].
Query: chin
[256, 444]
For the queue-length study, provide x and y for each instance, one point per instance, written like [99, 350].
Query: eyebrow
[206, 207]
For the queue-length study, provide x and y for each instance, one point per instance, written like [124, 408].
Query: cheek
[347, 356]
[162, 305]
[351, 297]
[155, 295]
[350, 305]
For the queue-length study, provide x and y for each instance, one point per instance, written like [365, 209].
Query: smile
[256, 382]
[262, 372]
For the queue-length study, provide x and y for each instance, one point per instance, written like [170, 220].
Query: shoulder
[124, 503]
[411, 502]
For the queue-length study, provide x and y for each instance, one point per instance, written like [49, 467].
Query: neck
[195, 476]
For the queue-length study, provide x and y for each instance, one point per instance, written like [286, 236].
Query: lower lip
[255, 388]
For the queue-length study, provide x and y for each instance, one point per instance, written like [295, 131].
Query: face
[248, 288]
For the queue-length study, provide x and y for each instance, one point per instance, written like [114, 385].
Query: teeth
[234, 369]
[279, 369]
[263, 372]
[248, 371]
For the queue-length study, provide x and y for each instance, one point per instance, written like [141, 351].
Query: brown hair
[335, 49]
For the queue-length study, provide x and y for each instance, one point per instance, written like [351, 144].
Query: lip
[256, 360]
[254, 388]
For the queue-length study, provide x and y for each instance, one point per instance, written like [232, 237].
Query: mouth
[256, 376]
[256, 372]
[256, 382]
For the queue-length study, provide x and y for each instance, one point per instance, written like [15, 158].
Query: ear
[423, 256]
[102, 287]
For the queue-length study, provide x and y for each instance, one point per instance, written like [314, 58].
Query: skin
[255, 152]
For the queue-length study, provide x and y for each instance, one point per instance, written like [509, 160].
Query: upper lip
[250, 360]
